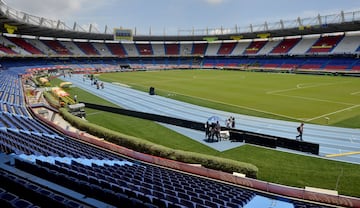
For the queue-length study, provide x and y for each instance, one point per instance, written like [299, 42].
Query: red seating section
[325, 44]
[116, 49]
[87, 48]
[285, 45]
[172, 49]
[25, 45]
[199, 48]
[7, 50]
[144, 49]
[255, 47]
[57, 47]
[226, 48]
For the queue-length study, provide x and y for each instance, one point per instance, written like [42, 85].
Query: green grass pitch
[325, 100]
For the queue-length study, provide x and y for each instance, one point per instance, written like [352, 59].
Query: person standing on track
[300, 130]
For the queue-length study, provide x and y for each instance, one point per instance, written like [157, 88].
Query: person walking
[233, 122]
[207, 130]
[300, 130]
[217, 130]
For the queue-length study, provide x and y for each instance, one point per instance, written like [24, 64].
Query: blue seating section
[140, 184]
[305, 62]
[22, 193]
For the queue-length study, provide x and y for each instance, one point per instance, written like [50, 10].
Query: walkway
[336, 143]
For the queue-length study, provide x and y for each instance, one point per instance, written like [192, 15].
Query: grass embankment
[274, 166]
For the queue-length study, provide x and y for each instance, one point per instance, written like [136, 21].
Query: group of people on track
[212, 129]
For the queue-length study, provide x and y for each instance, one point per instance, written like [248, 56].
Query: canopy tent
[213, 119]
[59, 92]
[65, 84]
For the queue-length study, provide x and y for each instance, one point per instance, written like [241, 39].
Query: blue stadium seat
[22, 203]
[8, 198]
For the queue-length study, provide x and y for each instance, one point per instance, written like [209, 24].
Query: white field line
[315, 99]
[300, 86]
[335, 112]
[245, 107]
[355, 93]
[121, 84]
[275, 92]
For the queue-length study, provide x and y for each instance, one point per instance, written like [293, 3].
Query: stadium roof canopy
[17, 22]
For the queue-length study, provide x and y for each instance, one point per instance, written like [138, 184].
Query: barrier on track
[235, 134]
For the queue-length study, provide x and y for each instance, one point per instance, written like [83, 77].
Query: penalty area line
[239, 106]
[355, 93]
[332, 113]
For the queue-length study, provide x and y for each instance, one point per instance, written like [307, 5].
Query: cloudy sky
[170, 16]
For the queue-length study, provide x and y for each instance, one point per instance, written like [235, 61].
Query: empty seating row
[142, 185]
[18, 121]
[113, 190]
[21, 193]
[49, 145]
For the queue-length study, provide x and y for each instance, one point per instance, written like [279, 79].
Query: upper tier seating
[325, 44]
[57, 47]
[331, 44]
[6, 50]
[116, 49]
[199, 48]
[158, 48]
[212, 49]
[285, 46]
[72, 47]
[87, 48]
[144, 49]
[25, 45]
[226, 48]
[130, 49]
[172, 49]
[240, 48]
[303, 45]
[255, 47]
[16, 191]
[185, 49]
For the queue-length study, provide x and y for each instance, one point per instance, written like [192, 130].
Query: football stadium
[266, 116]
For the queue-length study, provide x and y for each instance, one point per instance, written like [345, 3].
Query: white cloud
[51, 9]
[67, 11]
